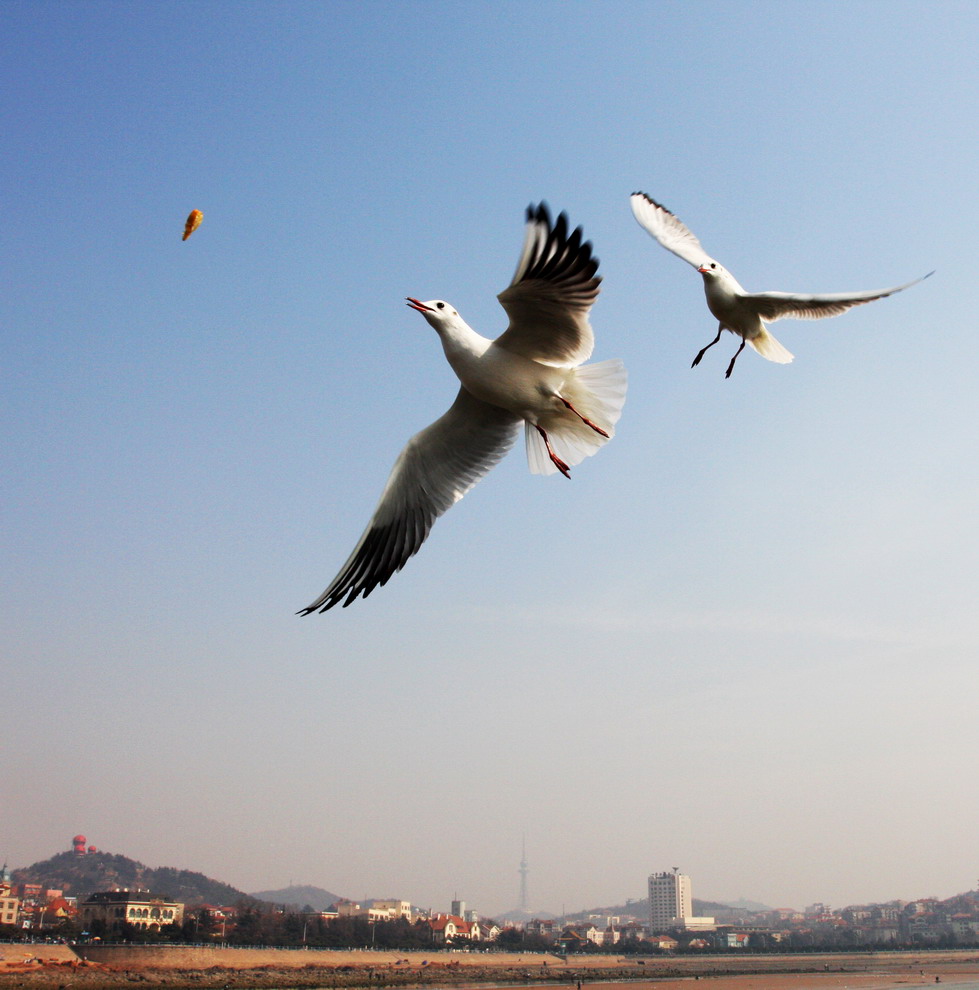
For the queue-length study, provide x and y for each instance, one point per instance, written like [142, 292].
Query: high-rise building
[671, 904]
[669, 900]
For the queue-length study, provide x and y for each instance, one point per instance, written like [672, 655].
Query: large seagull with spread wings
[533, 373]
[744, 313]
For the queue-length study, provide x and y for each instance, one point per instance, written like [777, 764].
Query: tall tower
[670, 900]
[523, 875]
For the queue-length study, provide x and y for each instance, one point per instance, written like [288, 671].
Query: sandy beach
[176, 967]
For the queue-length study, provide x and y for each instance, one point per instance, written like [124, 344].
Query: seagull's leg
[730, 367]
[558, 463]
[703, 350]
[584, 419]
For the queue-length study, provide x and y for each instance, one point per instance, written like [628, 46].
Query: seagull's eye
[440, 305]
[713, 264]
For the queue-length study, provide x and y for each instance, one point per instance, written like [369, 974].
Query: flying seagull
[532, 373]
[744, 313]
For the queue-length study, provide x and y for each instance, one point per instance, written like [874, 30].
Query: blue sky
[740, 640]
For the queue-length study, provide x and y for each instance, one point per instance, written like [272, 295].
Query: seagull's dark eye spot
[440, 305]
[713, 264]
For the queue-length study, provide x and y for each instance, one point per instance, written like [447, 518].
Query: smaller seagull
[533, 374]
[193, 222]
[744, 313]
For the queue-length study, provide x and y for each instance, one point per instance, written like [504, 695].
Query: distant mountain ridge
[82, 875]
[522, 916]
[742, 904]
[299, 895]
[640, 908]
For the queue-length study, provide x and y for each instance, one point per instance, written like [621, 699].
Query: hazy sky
[741, 640]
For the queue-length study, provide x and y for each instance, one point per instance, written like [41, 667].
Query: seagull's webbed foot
[584, 419]
[558, 463]
[730, 367]
[704, 350]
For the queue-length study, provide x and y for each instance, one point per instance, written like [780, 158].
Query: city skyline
[668, 896]
[741, 638]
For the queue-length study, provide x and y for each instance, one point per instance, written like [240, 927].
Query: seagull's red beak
[703, 269]
[419, 305]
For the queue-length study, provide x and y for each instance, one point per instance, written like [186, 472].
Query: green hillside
[79, 876]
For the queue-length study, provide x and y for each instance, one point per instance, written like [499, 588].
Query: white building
[395, 909]
[377, 911]
[669, 899]
[671, 904]
[117, 908]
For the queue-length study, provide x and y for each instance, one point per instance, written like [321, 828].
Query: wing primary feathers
[668, 229]
[384, 550]
[553, 288]
[563, 258]
[436, 468]
[773, 306]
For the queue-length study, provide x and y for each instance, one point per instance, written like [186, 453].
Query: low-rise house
[634, 930]
[114, 909]
[9, 905]
[223, 918]
[571, 940]
[732, 940]
[351, 909]
[445, 927]
[394, 909]
[877, 933]
[541, 927]
[579, 934]
[58, 909]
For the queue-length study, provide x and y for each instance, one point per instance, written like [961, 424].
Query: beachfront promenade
[102, 967]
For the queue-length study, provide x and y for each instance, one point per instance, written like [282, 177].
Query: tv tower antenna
[523, 874]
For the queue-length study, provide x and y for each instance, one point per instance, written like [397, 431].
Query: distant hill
[299, 896]
[640, 909]
[520, 916]
[631, 909]
[79, 876]
[753, 907]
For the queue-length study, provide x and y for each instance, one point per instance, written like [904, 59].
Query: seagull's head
[712, 270]
[438, 312]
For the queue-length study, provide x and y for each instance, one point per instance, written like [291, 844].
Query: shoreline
[57, 967]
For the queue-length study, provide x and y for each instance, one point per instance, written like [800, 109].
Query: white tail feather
[768, 347]
[597, 391]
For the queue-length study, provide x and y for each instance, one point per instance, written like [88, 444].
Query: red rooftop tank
[79, 844]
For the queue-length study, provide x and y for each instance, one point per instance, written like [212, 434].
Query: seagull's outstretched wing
[551, 293]
[773, 306]
[435, 469]
[669, 230]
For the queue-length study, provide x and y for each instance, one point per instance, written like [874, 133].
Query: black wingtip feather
[384, 551]
[561, 256]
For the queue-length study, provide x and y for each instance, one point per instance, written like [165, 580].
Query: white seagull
[742, 312]
[531, 373]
